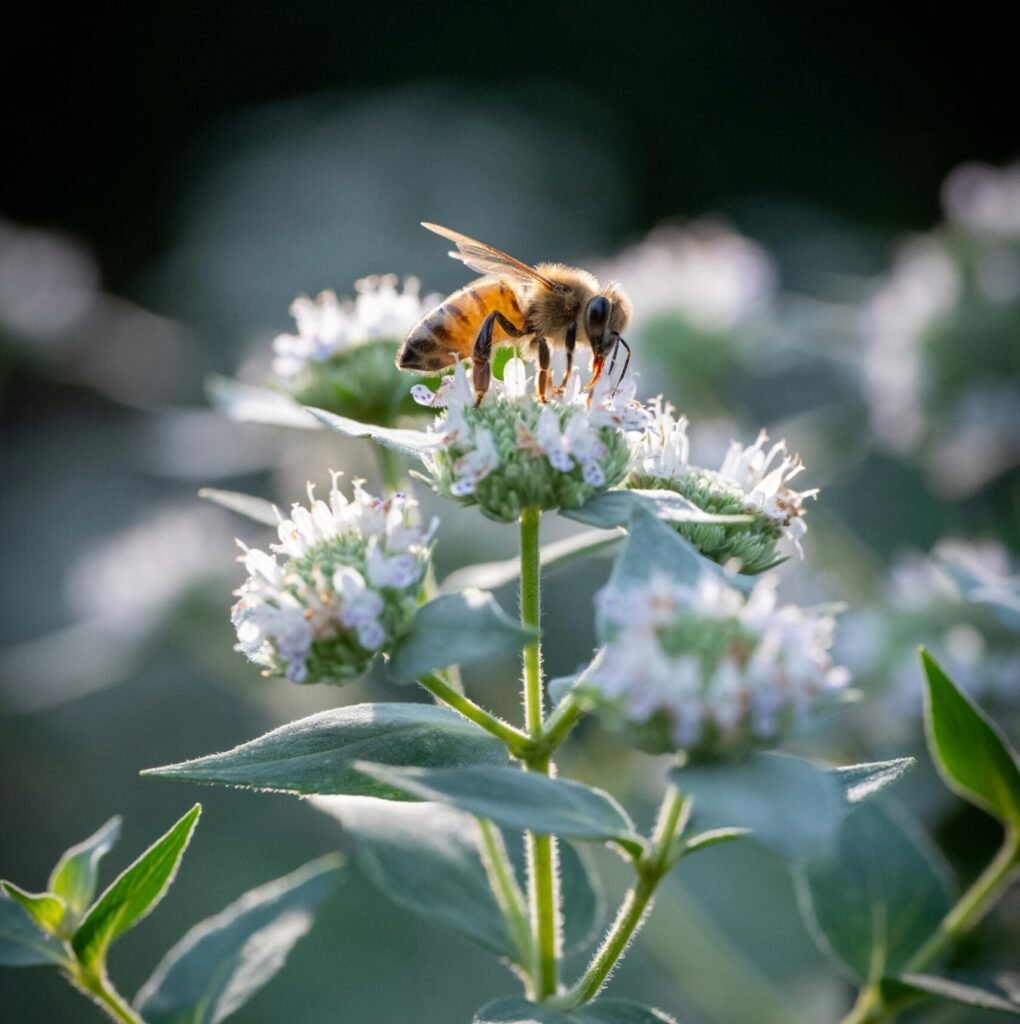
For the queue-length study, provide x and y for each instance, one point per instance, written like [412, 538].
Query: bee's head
[605, 318]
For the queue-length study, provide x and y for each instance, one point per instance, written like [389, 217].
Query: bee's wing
[486, 260]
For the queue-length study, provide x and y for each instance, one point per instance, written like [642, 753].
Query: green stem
[965, 915]
[99, 987]
[559, 723]
[542, 888]
[507, 892]
[389, 467]
[652, 868]
[515, 740]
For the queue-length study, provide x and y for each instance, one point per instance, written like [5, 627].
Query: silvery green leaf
[317, 755]
[615, 508]
[999, 990]
[223, 961]
[22, 944]
[248, 403]
[45, 909]
[874, 898]
[520, 800]
[134, 893]
[75, 876]
[257, 509]
[455, 629]
[410, 443]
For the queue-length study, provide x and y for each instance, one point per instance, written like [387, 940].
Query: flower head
[513, 451]
[702, 669]
[752, 480]
[342, 357]
[342, 585]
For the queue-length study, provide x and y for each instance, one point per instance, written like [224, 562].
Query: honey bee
[539, 308]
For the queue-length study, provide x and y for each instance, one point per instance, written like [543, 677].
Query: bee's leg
[569, 342]
[626, 362]
[481, 354]
[544, 358]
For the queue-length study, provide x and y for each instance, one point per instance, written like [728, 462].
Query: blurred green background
[176, 174]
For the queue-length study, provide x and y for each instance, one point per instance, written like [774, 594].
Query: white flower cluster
[984, 199]
[327, 325]
[752, 479]
[576, 434]
[703, 669]
[341, 586]
[708, 273]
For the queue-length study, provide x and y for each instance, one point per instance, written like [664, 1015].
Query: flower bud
[752, 480]
[342, 586]
[704, 670]
[512, 451]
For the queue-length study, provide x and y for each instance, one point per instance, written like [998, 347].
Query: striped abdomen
[449, 331]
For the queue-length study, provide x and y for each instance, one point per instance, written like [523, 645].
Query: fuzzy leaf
[22, 944]
[615, 508]
[993, 991]
[223, 961]
[247, 403]
[876, 896]
[456, 629]
[520, 800]
[45, 909]
[413, 444]
[514, 1010]
[972, 755]
[257, 509]
[317, 755]
[134, 893]
[859, 781]
[75, 877]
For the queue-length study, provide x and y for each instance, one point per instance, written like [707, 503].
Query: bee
[539, 308]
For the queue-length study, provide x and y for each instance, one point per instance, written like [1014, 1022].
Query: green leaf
[713, 837]
[520, 800]
[877, 895]
[514, 1010]
[413, 444]
[999, 991]
[654, 547]
[456, 629]
[790, 805]
[134, 893]
[615, 508]
[75, 877]
[248, 403]
[972, 755]
[44, 908]
[223, 961]
[490, 575]
[22, 944]
[318, 754]
[257, 509]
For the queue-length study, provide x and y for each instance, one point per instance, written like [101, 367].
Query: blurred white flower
[327, 325]
[708, 273]
[984, 199]
[705, 670]
[345, 585]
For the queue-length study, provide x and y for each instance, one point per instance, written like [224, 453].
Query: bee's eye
[597, 314]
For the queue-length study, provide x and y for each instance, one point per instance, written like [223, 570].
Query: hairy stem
[543, 897]
[515, 740]
[652, 868]
[96, 985]
[965, 915]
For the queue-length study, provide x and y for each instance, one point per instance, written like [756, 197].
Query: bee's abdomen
[448, 332]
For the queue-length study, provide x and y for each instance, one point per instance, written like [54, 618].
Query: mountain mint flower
[704, 670]
[342, 585]
[512, 451]
[342, 357]
[752, 480]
